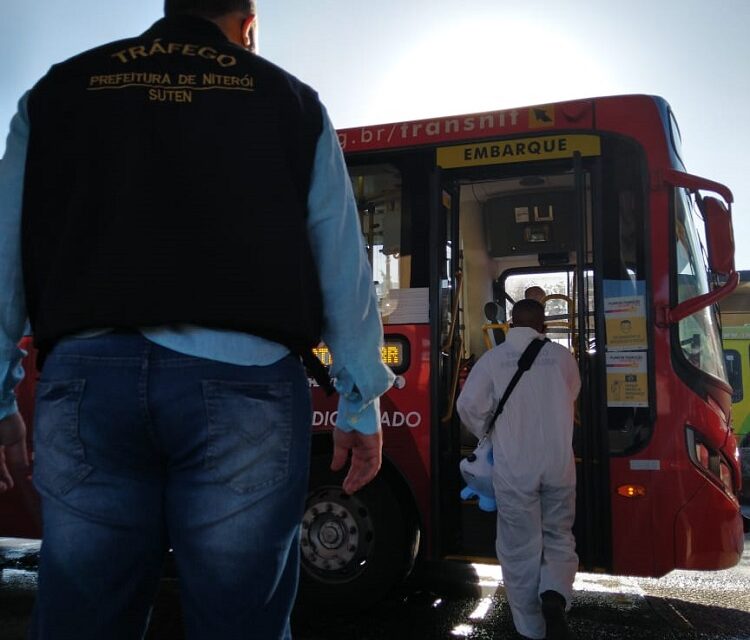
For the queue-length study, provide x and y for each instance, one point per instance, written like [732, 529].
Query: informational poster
[627, 379]
[625, 315]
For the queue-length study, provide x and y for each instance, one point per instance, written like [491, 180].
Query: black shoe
[553, 610]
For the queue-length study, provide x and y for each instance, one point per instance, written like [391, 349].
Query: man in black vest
[168, 204]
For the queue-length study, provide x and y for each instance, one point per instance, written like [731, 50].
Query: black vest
[166, 182]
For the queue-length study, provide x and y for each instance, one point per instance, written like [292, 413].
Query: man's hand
[14, 459]
[367, 455]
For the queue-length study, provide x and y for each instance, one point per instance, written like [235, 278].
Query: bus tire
[353, 548]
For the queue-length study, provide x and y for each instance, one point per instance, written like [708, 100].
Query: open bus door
[448, 358]
[573, 308]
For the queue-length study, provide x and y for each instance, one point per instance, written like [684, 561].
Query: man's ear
[249, 33]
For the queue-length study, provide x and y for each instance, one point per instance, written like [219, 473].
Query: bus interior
[472, 249]
[517, 233]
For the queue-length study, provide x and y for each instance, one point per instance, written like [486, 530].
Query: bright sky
[375, 62]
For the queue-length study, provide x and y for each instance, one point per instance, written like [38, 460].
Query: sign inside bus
[517, 150]
[394, 352]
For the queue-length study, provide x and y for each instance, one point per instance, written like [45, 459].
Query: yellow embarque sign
[518, 150]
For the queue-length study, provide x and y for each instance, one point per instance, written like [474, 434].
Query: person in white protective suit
[534, 472]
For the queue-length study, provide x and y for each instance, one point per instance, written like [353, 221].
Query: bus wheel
[353, 547]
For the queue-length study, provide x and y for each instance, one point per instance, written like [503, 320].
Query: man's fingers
[366, 461]
[343, 442]
[358, 477]
[366, 458]
[340, 455]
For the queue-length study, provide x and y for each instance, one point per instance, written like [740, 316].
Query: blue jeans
[139, 448]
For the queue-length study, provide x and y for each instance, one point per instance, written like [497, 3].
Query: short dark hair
[208, 8]
[528, 313]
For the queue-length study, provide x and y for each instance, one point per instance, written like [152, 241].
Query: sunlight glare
[487, 63]
[462, 630]
[483, 606]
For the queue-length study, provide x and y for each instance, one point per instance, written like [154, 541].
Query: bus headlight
[709, 460]
[726, 476]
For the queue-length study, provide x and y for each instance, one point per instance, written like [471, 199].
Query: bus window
[734, 373]
[623, 260]
[391, 209]
[377, 191]
[699, 336]
[559, 309]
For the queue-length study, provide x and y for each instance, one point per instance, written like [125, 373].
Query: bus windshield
[699, 337]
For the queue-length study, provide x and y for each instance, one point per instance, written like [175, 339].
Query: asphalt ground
[453, 600]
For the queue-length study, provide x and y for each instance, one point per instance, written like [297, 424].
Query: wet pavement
[452, 600]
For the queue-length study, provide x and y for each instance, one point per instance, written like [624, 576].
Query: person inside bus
[534, 473]
[173, 406]
[535, 293]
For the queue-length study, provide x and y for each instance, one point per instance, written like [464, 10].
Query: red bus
[589, 200]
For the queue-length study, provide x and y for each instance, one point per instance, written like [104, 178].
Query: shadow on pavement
[445, 601]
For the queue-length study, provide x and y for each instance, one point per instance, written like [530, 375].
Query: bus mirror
[717, 217]
[719, 236]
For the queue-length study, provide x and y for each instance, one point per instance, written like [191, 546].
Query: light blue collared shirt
[352, 328]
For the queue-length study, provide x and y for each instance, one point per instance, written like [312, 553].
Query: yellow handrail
[454, 383]
[486, 328]
[454, 311]
[446, 346]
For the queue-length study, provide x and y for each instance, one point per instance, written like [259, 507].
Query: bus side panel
[642, 527]
[719, 541]
[664, 467]
[685, 519]
[694, 517]
[405, 418]
[708, 529]
[632, 529]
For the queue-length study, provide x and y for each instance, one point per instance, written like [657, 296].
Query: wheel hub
[332, 537]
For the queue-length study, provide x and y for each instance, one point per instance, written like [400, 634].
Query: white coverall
[534, 473]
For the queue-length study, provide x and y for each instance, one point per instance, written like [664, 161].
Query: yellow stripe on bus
[517, 150]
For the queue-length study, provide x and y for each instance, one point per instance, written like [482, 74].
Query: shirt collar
[520, 336]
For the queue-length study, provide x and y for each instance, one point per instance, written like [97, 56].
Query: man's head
[236, 18]
[528, 313]
[209, 9]
[535, 293]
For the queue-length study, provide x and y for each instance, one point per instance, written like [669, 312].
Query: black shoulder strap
[524, 364]
[317, 370]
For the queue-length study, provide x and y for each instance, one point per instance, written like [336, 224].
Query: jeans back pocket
[249, 433]
[59, 455]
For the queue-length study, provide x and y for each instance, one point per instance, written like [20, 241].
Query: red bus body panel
[405, 417]
[538, 120]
